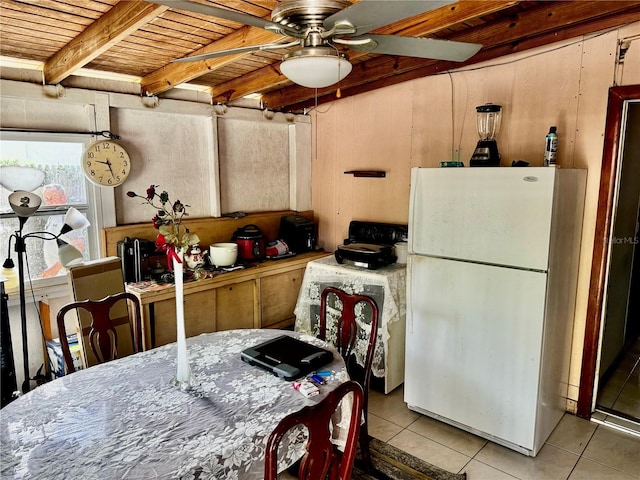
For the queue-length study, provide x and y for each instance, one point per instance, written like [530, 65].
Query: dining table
[125, 419]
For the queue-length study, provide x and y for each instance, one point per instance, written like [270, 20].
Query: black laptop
[287, 357]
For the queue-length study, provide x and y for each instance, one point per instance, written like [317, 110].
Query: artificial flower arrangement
[168, 222]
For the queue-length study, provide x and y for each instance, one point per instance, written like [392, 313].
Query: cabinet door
[279, 294]
[235, 306]
[199, 317]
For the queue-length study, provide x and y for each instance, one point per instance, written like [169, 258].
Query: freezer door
[473, 345]
[500, 216]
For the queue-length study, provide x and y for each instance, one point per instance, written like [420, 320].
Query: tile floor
[576, 450]
[621, 392]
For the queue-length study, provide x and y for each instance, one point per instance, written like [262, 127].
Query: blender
[488, 124]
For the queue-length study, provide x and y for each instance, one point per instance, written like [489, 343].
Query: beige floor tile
[551, 463]
[452, 437]
[430, 451]
[382, 429]
[628, 401]
[589, 470]
[479, 471]
[572, 433]
[615, 449]
[391, 407]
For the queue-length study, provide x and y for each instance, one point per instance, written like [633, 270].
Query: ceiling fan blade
[226, 14]
[418, 47]
[367, 15]
[232, 51]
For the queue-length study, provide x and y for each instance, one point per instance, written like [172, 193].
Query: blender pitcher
[488, 119]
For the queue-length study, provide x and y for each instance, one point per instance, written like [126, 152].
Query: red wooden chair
[322, 460]
[346, 336]
[103, 337]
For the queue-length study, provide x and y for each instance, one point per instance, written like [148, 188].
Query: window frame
[97, 199]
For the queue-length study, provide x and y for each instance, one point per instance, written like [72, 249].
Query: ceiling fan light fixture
[315, 67]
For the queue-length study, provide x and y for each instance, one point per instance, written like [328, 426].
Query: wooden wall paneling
[431, 134]
[545, 93]
[388, 149]
[324, 172]
[348, 136]
[597, 72]
[210, 230]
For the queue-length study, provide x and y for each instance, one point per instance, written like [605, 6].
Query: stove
[370, 244]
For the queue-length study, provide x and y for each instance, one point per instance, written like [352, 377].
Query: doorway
[610, 380]
[619, 366]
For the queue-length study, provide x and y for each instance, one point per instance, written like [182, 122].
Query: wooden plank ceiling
[141, 39]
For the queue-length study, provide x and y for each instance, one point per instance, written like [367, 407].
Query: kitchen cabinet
[262, 295]
[277, 303]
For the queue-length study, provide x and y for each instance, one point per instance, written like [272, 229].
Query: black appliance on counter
[298, 232]
[138, 257]
[370, 244]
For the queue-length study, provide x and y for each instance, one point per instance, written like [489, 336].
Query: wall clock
[106, 163]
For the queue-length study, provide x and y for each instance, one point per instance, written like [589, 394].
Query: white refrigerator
[491, 284]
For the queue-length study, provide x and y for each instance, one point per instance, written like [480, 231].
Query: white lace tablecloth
[386, 285]
[123, 420]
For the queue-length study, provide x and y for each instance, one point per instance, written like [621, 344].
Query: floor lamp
[25, 204]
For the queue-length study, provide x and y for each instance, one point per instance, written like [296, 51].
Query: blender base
[485, 155]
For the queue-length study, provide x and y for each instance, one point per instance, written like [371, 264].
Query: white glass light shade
[24, 203]
[315, 67]
[13, 178]
[74, 220]
[68, 254]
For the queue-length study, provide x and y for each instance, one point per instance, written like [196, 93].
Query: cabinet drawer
[279, 294]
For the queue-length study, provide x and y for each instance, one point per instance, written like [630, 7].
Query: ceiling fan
[318, 26]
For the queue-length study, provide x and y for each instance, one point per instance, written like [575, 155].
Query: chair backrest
[103, 338]
[347, 331]
[322, 460]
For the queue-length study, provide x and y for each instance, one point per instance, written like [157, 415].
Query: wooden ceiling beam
[552, 22]
[421, 25]
[118, 23]
[174, 74]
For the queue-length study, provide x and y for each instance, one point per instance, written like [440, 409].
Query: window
[59, 157]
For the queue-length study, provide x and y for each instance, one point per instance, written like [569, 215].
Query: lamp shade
[13, 178]
[24, 203]
[74, 220]
[315, 67]
[68, 254]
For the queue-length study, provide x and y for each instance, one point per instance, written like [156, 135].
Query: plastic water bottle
[551, 147]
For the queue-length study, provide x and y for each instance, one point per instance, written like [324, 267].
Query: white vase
[184, 379]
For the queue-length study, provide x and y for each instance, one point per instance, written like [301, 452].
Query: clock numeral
[117, 178]
[124, 172]
[110, 181]
[125, 164]
[88, 163]
[93, 173]
[106, 145]
[97, 148]
[91, 154]
[100, 178]
[121, 154]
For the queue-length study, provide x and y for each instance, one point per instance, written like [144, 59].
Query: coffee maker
[298, 232]
[488, 119]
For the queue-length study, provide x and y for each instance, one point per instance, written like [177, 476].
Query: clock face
[106, 163]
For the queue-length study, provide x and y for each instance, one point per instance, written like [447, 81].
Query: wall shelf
[367, 173]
